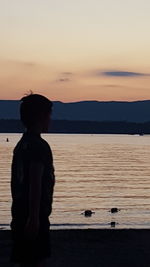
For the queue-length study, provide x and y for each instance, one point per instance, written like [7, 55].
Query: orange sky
[75, 50]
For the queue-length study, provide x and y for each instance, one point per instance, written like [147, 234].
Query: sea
[93, 172]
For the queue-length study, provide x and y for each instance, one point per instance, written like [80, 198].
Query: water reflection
[94, 172]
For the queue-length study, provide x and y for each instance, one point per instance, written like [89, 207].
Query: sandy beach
[91, 248]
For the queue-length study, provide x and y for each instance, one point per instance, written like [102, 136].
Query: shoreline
[91, 248]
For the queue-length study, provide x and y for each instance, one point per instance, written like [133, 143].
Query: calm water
[96, 172]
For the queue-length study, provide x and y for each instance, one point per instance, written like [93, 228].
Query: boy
[32, 183]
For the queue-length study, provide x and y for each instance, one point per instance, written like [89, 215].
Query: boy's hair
[32, 108]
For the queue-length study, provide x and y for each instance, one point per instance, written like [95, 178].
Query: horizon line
[82, 101]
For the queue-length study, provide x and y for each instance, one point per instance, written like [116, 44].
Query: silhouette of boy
[32, 183]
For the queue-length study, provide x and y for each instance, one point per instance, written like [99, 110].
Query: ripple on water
[94, 172]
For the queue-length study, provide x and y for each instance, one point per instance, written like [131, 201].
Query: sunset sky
[73, 50]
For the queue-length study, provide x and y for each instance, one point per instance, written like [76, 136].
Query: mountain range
[137, 111]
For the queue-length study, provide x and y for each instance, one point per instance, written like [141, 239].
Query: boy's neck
[34, 131]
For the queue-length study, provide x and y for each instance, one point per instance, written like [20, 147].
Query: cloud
[29, 64]
[112, 86]
[21, 63]
[63, 80]
[67, 73]
[64, 77]
[117, 73]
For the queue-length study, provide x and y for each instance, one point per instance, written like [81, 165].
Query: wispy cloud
[20, 63]
[63, 80]
[118, 73]
[67, 73]
[64, 77]
[112, 86]
[29, 64]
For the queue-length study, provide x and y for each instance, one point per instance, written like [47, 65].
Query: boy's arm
[35, 184]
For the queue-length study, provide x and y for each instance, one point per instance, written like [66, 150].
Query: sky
[75, 50]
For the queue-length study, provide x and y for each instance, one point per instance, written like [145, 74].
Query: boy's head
[35, 110]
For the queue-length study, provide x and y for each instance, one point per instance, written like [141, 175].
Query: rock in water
[114, 210]
[88, 213]
[113, 224]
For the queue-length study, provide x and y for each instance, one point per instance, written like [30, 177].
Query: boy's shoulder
[33, 147]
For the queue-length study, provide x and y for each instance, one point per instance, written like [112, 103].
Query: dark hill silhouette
[138, 111]
[84, 127]
[9, 109]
